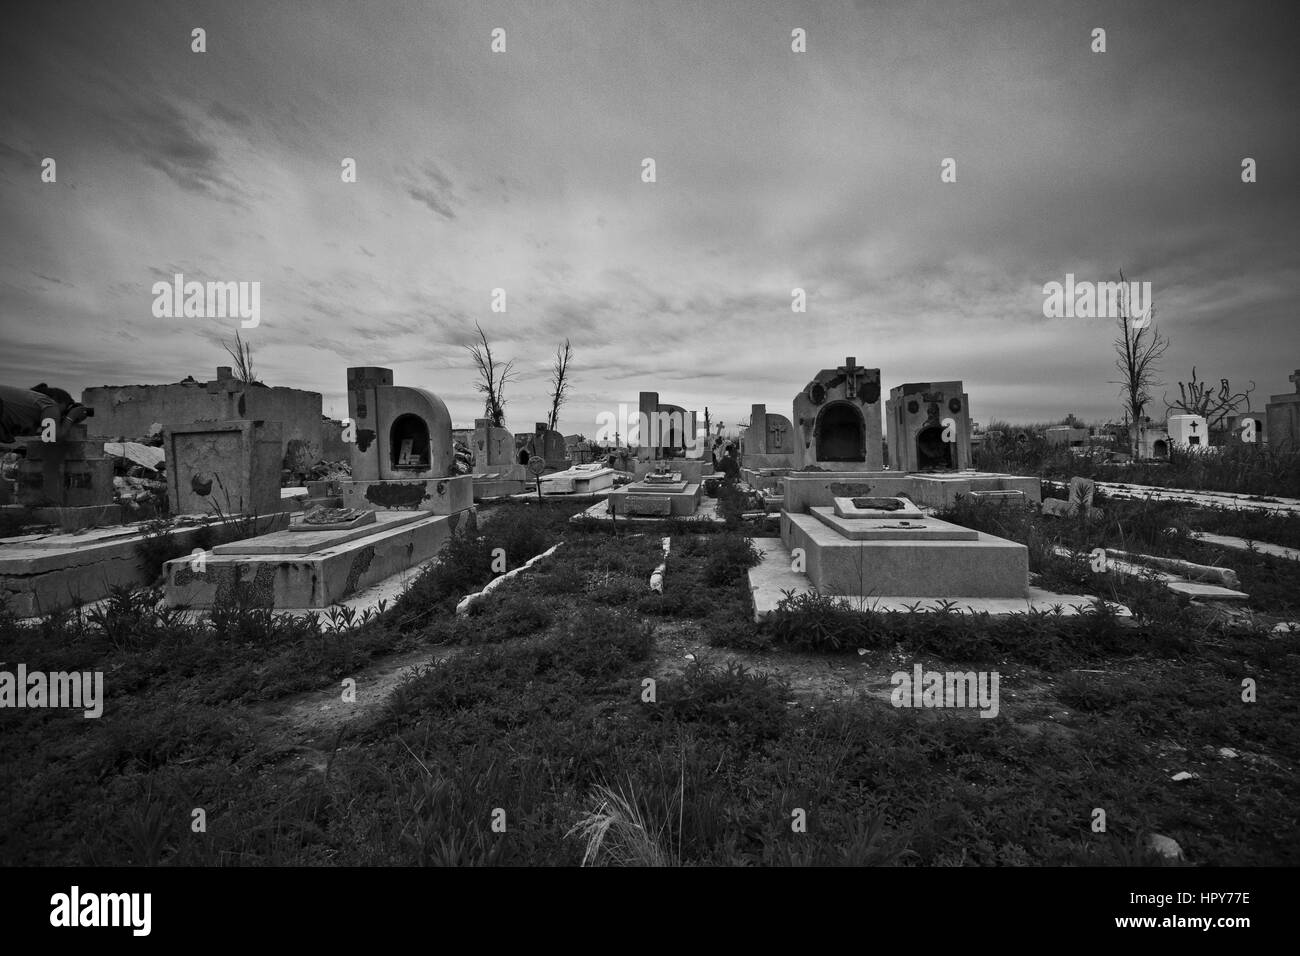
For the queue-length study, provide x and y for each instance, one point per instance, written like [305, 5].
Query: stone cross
[1295, 377]
[851, 371]
[1194, 426]
[775, 431]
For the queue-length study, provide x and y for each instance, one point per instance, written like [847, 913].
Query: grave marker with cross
[1295, 377]
[776, 434]
[851, 372]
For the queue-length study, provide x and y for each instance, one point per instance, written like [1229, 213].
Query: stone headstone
[929, 427]
[768, 441]
[664, 431]
[837, 420]
[232, 466]
[401, 432]
[1283, 417]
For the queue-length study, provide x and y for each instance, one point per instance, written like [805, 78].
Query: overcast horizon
[775, 170]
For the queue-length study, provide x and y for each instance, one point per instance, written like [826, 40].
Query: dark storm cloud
[430, 186]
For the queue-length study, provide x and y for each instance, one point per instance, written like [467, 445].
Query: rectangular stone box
[440, 496]
[232, 466]
[290, 541]
[47, 572]
[984, 567]
[804, 490]
[682, 504]
[904, 529]
[851, 508]
[317, 579]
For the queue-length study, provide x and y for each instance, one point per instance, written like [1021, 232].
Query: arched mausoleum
[401, 432]
[929, 427]
[837, 420]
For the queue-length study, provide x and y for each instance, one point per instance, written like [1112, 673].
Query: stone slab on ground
[493, 485]
[706, 511]
[807, 489]
[984, 567]
[578, 480]
[773, 576]
[904, 529]
[1242, 544]
[319, 578]
[42, 573]
[291, 541]
[1206, 499]
[1206, 592]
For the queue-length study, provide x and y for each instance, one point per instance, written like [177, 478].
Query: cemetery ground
[531, 712]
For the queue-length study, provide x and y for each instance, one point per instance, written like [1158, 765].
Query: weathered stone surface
[317, 578]
[438, 495]
[983, 567]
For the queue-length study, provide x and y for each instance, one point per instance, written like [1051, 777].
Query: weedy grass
[554, 738]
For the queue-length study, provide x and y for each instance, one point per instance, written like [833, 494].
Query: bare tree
[560, 382]
[1196, 398]
[242, 353]
[493, 376]
[1139, 347]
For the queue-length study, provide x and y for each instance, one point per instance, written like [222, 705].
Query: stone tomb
[232, 467]
[579, 480]
[402, 458]
[1188, 431]
[665, 431]
[929, 427]
[69, 481]
[401, 466]
[547, 444]
[837, 420]
[768, 441]
[300, 568]
[880, 544]
[497, 471]
[661, 494]
[1283, 416]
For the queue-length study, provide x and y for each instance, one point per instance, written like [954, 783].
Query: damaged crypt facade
[401, 505]
[853, 529]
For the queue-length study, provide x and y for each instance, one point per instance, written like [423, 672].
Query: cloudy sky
[522, 170]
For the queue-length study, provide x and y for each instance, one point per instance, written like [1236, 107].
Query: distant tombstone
[546, 444]
[70, 472]
[837, 420]
[493, 446]
[1282, 415]
[1081, 493]
[929, 426]
[768, 442]
[401, 432]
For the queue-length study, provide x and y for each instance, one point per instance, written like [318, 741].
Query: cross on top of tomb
[851, 371]
[1295, 377]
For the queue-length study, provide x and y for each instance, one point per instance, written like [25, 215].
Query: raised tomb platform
[663, 494]
[868, 536]
[401, 473]
[304, 568]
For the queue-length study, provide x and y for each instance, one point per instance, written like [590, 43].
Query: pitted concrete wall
[130, 411]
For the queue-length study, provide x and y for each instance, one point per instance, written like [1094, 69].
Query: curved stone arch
[840, 432]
